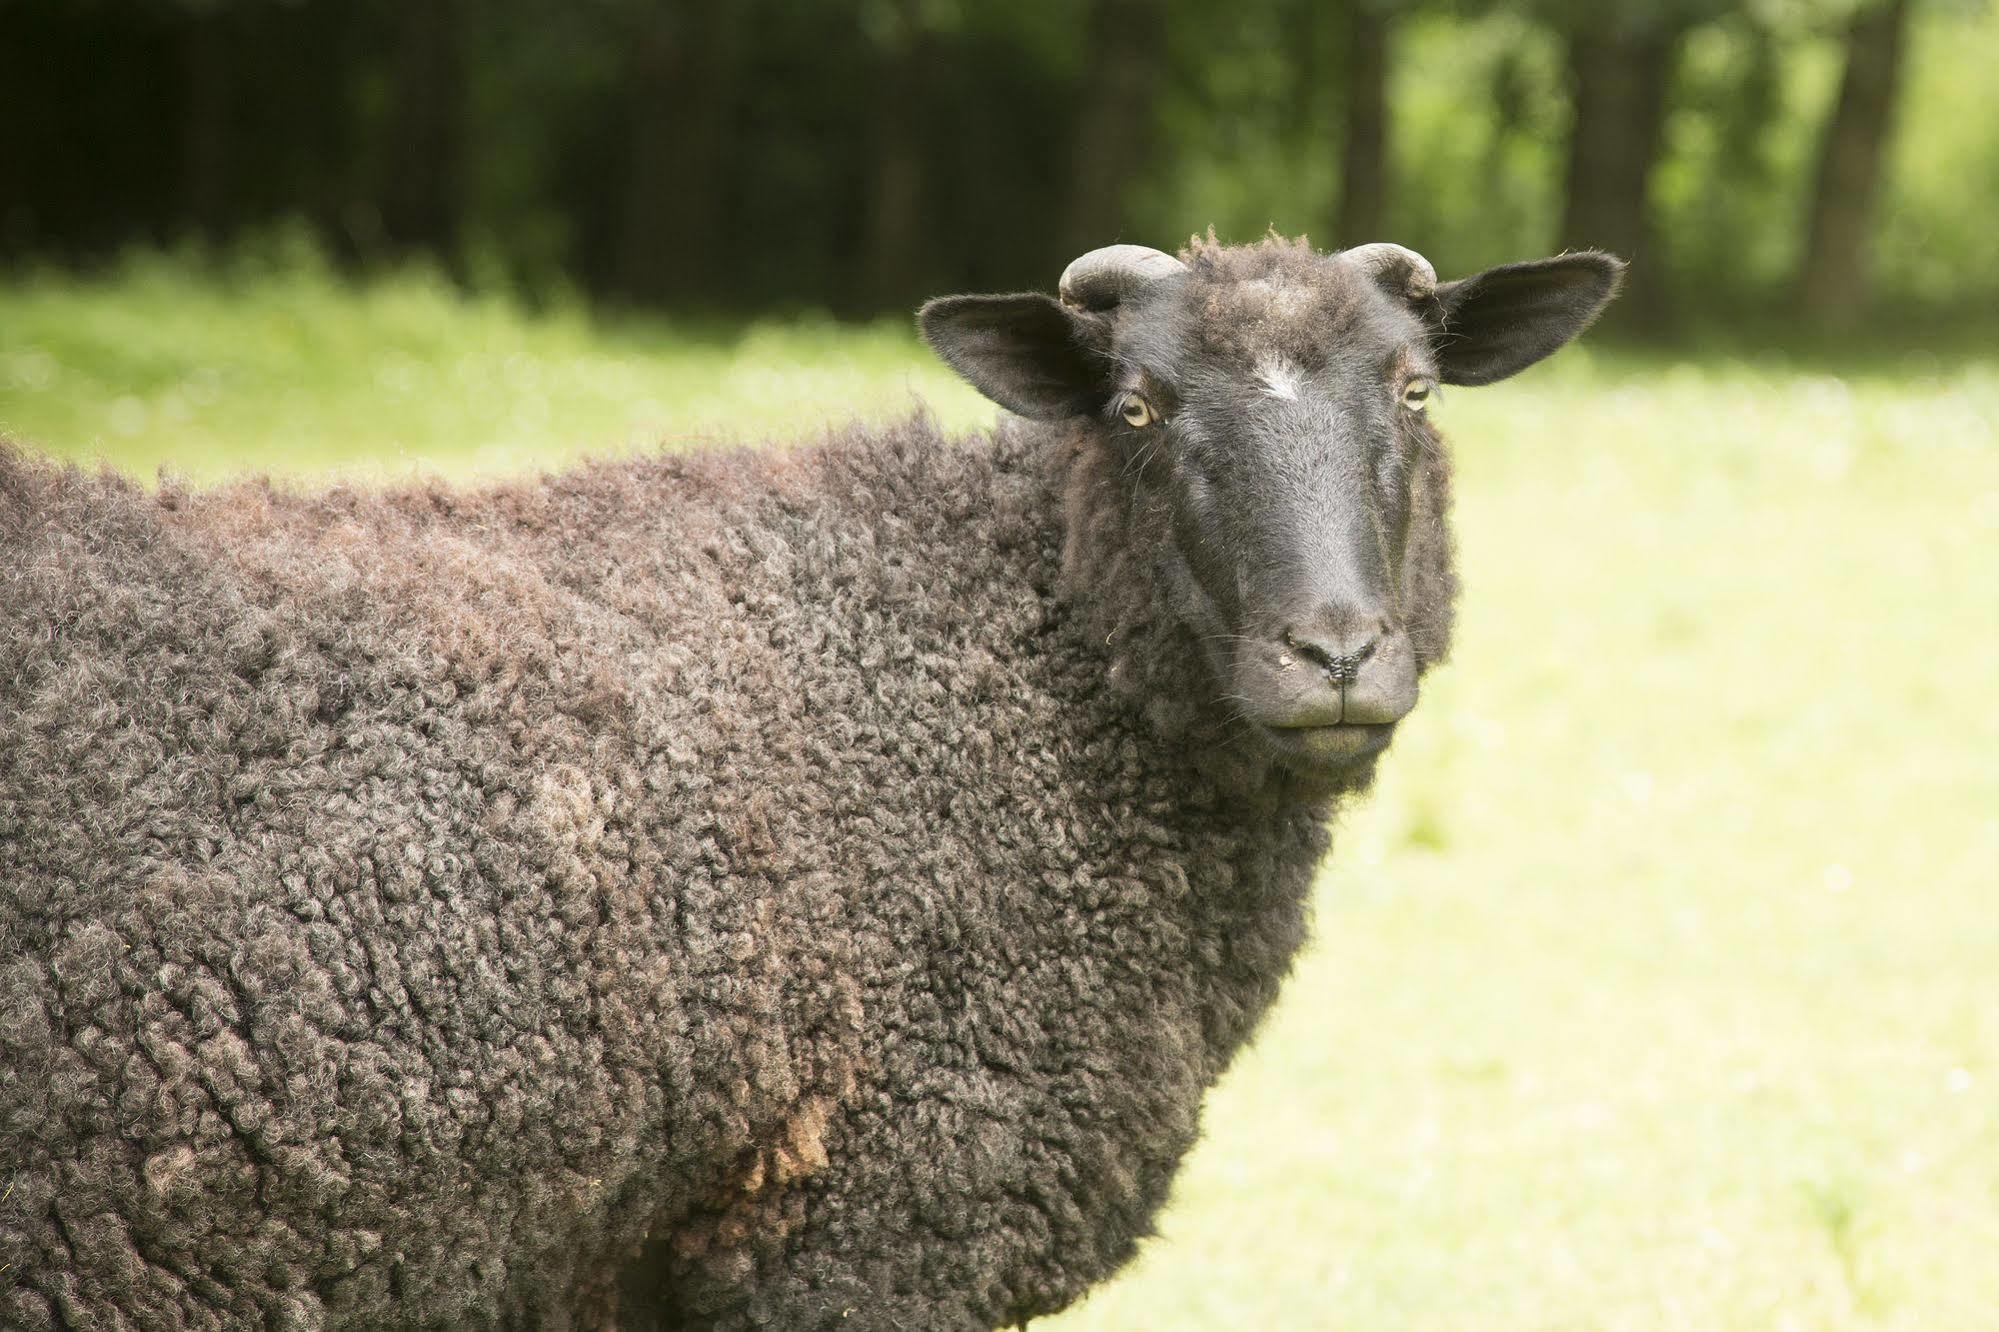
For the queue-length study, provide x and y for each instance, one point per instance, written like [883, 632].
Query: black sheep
[759, 888]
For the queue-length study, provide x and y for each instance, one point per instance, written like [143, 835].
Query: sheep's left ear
[1029, 353]
[1499, 322]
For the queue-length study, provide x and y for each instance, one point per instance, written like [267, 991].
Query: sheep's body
[722, 889]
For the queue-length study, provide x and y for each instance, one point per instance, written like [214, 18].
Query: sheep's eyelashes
[1137, 412]
[1416, 394]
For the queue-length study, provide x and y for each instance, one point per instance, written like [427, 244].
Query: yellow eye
[1137, 412]
[1416, 394]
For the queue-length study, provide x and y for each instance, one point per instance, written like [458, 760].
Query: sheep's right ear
[1028, 353]
[1499, 322]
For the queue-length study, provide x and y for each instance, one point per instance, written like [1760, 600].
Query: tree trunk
[205, 128]
[420, 205]
[1832, 286]
[1364, 153]
[894, 255]
[669, 243]
[1126, 41]
[1619, 79]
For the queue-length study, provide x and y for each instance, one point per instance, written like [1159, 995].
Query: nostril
[1305, 648]
[1343, 667]
[1348, 667]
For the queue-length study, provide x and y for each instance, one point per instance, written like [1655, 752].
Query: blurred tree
[1113, 132]
[895, 234]
[205, 126]
[424, 185]
[1364, 122]
[1481, 116]
[680, 89]
[1620, 66]
[1511, 93]
[1833, 284]
[1724, 163]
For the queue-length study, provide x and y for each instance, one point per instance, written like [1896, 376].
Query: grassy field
[1658, 986]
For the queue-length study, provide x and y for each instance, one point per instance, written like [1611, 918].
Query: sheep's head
[1268, 405]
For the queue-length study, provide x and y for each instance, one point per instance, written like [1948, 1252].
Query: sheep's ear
[1499, 322]
[1028, 353]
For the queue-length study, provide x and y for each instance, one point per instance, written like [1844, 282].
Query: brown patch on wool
[754, 1203]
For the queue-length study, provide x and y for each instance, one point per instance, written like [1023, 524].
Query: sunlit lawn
[1658, 986]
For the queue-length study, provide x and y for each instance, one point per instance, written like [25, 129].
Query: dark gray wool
[723, 889]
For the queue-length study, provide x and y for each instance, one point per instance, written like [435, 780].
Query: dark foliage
[855, 154]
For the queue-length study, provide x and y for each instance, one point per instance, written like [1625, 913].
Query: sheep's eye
[1137, 412]
[1416, 394]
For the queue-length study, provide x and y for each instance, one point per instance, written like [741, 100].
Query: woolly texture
[717, 890]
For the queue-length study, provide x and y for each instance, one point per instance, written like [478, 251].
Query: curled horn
[1393, 265]
[1102, 278]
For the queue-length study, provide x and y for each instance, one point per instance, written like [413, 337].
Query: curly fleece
[717, 890]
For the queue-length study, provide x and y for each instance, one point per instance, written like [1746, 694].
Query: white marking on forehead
[1279, 378]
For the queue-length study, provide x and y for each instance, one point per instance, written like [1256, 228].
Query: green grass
[1657, 987]
[275, 366]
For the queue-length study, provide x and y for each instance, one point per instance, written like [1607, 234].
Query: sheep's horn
[1102, 278]
[1395, 265]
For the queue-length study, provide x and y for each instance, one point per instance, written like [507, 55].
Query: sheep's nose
[1365, 660]
[1338, 655]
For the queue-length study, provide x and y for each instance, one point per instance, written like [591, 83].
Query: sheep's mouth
[1329, 746]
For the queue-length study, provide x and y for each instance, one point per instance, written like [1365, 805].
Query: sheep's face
[1271, 405]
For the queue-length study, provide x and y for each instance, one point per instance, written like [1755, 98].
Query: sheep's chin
[1323, 748]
